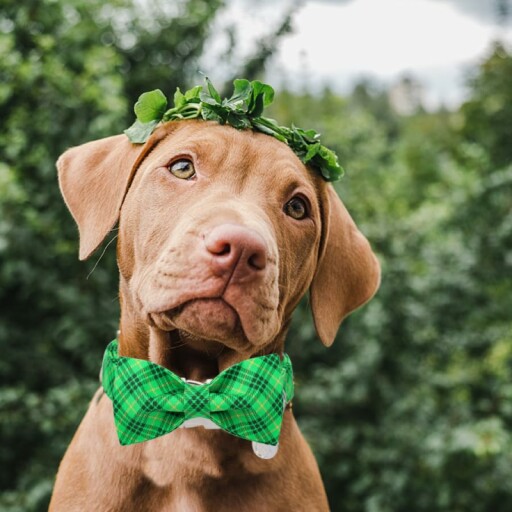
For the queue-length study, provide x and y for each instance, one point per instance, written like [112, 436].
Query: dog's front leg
[97, 473]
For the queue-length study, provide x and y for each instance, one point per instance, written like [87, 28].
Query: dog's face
[221, 232]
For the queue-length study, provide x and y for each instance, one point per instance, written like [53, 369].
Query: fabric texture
[247, 400]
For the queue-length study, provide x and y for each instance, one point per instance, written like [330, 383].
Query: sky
[339, 42]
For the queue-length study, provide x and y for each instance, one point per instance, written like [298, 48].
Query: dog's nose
[237, 249]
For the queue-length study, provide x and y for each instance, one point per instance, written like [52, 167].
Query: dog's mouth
[210, 319]
[202, 316]
[203, 337]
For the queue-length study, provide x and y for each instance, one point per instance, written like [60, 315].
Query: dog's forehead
[223, 152]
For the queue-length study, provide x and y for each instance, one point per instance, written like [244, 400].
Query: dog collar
[246, 400]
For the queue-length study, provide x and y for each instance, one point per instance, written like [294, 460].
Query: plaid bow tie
[247, 400]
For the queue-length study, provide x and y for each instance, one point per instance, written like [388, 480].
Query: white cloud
[337, 42]
[384, 38]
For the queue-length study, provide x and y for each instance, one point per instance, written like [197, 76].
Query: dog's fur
[184, 306]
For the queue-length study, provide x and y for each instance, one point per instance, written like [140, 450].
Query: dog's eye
[182, 169]
[296, 208]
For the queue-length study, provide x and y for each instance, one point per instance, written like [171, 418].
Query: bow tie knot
[197, 400]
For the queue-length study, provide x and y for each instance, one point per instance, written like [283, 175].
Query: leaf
[312, 151]
[138, 133]
[328, 164]
[258, 106]
[241, 93]
[213, 92]
[259, 88]
[210, 115]
[206, 98]
[311, 135]
[179, 98]
[193, 94]
[150, 106]
[270, 127]
[238, 121]
[214, 113]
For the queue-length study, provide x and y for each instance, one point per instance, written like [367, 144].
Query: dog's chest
[195, 458]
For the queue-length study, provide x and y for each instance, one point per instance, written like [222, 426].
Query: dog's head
[221, 232]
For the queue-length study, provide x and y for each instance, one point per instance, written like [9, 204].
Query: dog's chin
[207, 319]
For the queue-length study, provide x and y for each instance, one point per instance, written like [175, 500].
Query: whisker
[101, 256]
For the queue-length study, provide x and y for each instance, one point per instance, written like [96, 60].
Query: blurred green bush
[416, 404]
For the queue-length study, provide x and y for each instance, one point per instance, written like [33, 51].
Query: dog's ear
[94, 179]
[347, 274]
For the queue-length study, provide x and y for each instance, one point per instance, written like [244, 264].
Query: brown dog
[221, 232]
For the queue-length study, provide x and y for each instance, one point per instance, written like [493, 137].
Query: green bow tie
[246, 400]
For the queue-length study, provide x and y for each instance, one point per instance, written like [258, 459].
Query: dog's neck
[188, 356]
[214, 453]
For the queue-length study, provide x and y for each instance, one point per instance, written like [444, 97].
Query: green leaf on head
[138, 133]
[150, 106]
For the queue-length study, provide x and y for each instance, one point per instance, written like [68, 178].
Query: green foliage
[151, 106]
[410, 410]
[59, 87]
[486, 116]
[64, 80]
[242, 111]
[417, 412]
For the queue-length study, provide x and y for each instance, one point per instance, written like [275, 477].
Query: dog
[221, 232]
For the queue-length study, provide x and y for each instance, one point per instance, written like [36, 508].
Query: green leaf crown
[243, 110]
